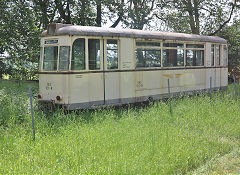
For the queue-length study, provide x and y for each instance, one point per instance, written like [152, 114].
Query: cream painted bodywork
[104, 87]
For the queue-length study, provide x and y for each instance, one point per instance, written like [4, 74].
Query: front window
[64, 57]
[50, 58]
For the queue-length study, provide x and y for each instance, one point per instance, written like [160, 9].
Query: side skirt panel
[114, 102]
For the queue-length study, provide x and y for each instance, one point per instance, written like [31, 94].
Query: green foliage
[22, 22]
[20, 38]
[138, 13]
[133, 140]
[197, 17]
[13, 103]
[232, 35]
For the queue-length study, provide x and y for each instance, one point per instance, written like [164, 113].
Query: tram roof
[63, 29]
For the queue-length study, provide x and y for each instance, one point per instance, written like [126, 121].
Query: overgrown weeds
[128, 140]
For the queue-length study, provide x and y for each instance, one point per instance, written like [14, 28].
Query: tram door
[217, 69]
[111, 74]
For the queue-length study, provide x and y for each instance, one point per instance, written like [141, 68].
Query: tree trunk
[99, 14]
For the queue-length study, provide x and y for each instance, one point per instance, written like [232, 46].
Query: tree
[232, 35]
[197, 16]
[139, 13]
[82, 12]
[19, 37]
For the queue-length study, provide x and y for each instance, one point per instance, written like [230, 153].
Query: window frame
[86, 53]
[213, 59]
[224, 62]
[100, 47]
[69, 59]
[43, 53]
[195, 49]
[71, 52]
[184, 48]
[217, 60]
[41, 58]
[43, 45]
[147, 48]
[105, 53]
[174, 48]
[87, 56]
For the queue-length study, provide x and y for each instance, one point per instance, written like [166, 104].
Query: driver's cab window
[50, 58]
[64, 58]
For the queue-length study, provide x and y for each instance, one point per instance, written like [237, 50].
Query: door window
[94, 54]
[78, 54]
[112, 54]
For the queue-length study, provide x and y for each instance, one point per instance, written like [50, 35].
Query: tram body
[86, 67]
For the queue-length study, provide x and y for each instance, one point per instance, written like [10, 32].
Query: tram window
[173, 57]
[94, 54]
[78, 54]
[212, 55]
[195, 57]
[195, 46]
[154, 44]
[217, 55]
[64, 57]
[225, 59]
[148, 58]
[178, 45]
[40, 60]
[50, 58]
[112, 54]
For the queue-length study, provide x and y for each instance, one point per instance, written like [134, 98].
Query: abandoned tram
[86, 67]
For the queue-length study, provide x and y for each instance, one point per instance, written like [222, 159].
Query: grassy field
[200, 136]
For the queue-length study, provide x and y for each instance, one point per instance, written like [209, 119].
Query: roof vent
[52, 28]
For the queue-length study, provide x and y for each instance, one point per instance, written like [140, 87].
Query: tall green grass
[132, 140]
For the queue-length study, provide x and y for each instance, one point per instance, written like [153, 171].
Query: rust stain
[168, 75]
[178, 75]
